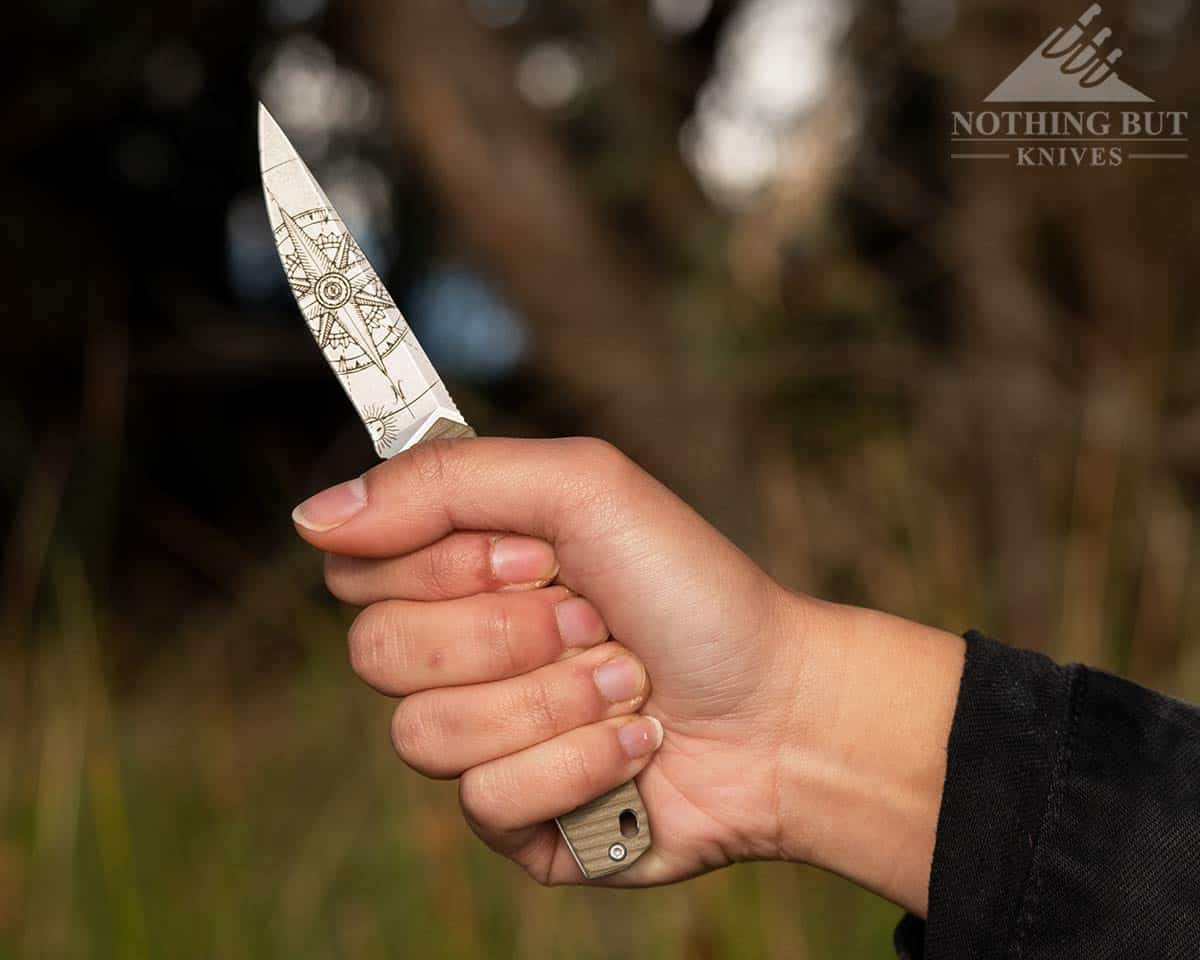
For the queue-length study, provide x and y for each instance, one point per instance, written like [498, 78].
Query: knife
[402, 402]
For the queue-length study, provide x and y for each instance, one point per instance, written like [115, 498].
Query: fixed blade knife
[401, 401]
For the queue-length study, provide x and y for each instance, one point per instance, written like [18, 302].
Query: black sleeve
[1070, 818]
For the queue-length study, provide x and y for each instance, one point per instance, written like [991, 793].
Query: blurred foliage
[962, 393]
[195, 820]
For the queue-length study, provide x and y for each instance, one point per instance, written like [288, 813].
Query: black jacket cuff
[1070, 818]
[1008, 733]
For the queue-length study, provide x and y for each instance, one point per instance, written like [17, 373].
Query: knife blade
[401, 401]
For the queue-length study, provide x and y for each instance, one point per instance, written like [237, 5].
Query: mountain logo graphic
[1069, 66]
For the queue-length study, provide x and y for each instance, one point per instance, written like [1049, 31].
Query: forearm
[864, 760]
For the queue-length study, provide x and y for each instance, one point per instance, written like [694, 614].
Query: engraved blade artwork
[397, 392]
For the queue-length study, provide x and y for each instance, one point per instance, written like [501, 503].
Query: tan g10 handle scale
[609, 833]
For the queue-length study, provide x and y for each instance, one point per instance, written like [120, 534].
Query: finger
[507, 801]
[458, 565]
[441, 733]
[402, 646]
[419, 496]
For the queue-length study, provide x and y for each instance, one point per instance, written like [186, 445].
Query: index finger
[421, 495]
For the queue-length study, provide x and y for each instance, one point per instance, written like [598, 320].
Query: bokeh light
[776, 60]
[550, 75]
[466, 328]
[313, 97]
[680, 16]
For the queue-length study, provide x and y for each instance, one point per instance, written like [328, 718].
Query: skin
[492, 574]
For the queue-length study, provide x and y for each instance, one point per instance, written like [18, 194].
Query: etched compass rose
[350, 313]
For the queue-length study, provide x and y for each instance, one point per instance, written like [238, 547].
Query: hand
[512, 685]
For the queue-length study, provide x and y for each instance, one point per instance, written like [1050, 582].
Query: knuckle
[418, 731]
[375, 643]
[600, 476]
[599, 457]
[339, 576]
[540, 705]
[405, 735]
[435, 573]
[483, 797]
[573, 768]
[443, 571]
[499, 635]
[362, 643]
[432, 462]
[471, 794]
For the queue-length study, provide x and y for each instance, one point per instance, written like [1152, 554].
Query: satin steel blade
[393, 386]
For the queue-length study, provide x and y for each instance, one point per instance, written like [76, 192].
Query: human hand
[450, 548]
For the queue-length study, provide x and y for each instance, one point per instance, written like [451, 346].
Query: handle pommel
[609, 833]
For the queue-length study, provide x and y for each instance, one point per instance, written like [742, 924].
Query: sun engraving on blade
[381, 424]
[346, 305]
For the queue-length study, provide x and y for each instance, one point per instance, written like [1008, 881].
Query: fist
[557, 622]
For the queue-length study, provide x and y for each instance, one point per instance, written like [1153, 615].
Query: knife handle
[607, 834]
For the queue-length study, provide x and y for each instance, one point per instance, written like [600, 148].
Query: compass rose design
[346, 305]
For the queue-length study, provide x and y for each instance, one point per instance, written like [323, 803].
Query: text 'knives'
[402, 402]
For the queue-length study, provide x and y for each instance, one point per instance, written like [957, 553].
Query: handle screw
[617, 851]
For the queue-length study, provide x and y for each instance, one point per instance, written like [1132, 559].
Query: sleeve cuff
[1010, 731]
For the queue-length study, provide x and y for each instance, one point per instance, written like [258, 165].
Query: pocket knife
[402, 402]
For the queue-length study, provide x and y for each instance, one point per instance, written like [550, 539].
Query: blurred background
[727, 236]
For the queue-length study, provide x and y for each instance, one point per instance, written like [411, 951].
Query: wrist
[862, 753]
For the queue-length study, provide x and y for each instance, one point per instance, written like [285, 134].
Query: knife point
[272, 142]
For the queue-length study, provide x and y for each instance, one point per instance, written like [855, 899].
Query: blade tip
[270, 136]
[274, 148]
[265, 121]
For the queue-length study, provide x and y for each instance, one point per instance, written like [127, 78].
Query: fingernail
[620, 679]
[333, 507]
[523, 560]
[640, 737]
[579, 623]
